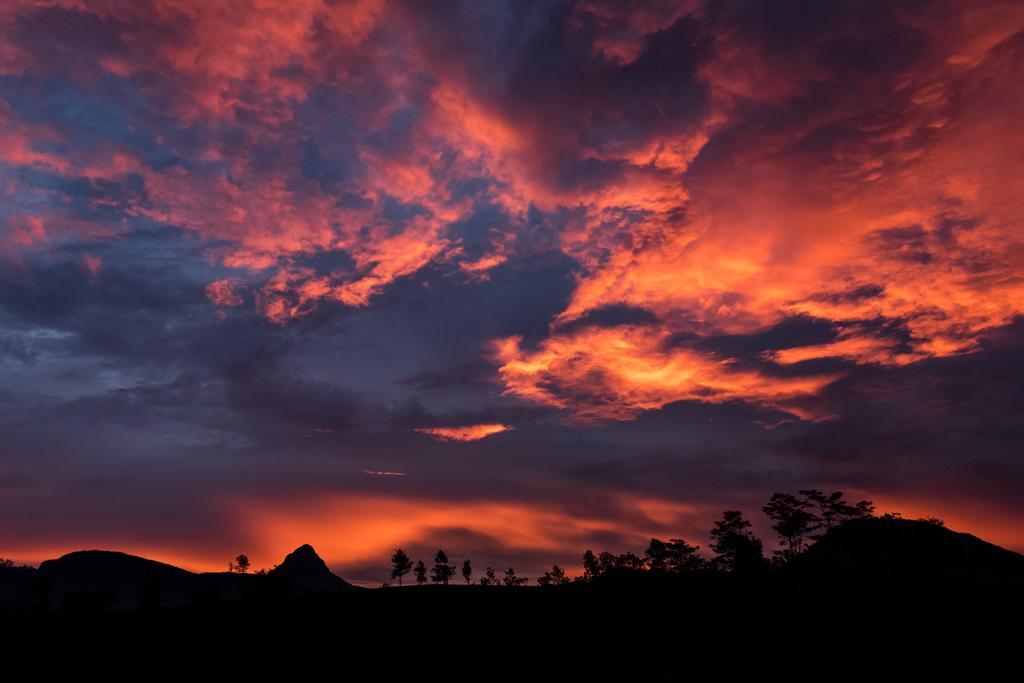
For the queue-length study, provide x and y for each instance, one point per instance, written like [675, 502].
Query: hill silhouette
[887, 548]
[116, 578]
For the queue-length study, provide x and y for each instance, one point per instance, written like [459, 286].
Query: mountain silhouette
[898, 548]
[304, 568]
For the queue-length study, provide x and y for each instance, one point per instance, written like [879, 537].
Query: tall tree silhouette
[656, 555]
[400, 565]
[832, 509]
[793, 520]
[442, 572]
[555, 577]
[467, 571]
[421, 572]
[738, 550]
[591, 566]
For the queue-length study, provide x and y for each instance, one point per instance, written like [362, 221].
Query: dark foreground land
[886, 601]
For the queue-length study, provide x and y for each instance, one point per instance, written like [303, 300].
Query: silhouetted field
[878, 598]
[629, 627]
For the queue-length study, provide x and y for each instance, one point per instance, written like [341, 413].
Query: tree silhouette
[489, 578]
[832, 510]
[591, 566]
[794, 521]
[421, 572]
[675, 556]
[442, 572]
[657, 555]
[606, 562]
[467, 571]
[512, 580]
[555, 577]
[400, 565]
[737, 548]
[240, 565]
[629, 561]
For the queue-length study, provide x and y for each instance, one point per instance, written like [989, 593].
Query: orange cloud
[224, 293]
[920, 209]
[27, 231]
[93, 265]
[851, 343]
[467, 433]
[622, 28]
[615, 373]
[794, 186]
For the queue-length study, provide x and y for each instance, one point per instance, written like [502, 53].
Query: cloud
[615, 373]
[747, 236]
[464, 433]
[224, 293]
[694, 252]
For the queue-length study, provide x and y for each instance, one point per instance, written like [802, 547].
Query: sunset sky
[514, 279]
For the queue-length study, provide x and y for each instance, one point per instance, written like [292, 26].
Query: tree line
[798, 520]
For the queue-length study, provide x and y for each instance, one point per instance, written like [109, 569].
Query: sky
[513, 279]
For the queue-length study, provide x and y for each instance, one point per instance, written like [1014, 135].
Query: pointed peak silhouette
[305, 552]
[309, 572]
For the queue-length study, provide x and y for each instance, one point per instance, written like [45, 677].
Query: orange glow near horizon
[362, 530]
[365, 529]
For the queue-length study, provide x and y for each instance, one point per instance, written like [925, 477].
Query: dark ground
[873, 600]
[643, 628]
